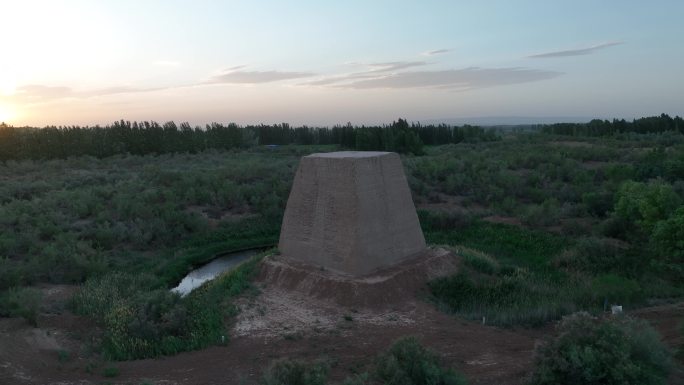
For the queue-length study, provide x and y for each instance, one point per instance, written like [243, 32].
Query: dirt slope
[285, 320]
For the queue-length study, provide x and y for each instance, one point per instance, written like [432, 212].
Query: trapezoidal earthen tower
[351, 212]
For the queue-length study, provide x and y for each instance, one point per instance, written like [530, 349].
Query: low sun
[5, 113]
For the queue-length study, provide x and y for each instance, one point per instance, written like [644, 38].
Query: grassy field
[547, 225]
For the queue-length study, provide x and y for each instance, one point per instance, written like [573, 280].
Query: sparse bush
[97, 296]
[110, 371]
[10, 273]
[667, 242]
[443, 221]
[575, 228]
[523, 246]
[294, 372]
[142, 319]
[479, 261]
[596, 256]
[63, 356]
[644, 204]
[545, 214]
[616, 289]
[514, 296]
[598, 203]
[614, 227]
[616, 351]
[409, 363]
[21, 302]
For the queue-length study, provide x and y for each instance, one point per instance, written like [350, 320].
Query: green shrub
[294, 372]
[545, 214]
[438, 220]
[614, 227]
[479, 261]
[598, 202]
[21, 302]
[644, 204]
[667, 242]
[523, 246]
[10, 273]
[99, 295]
[409, 363]
[615, 351]
[142, 319]
[63, 356]
[616, 289]
[512, 297]
[596, 256]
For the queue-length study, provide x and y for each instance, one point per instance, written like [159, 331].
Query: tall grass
[142, 319]
[21, 302]
[508, 294]
[532, 248]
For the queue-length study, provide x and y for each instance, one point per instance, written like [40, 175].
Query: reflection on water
[211, 270]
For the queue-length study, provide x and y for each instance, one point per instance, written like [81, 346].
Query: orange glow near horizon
[6, 114]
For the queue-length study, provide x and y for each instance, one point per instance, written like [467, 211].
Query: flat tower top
[348, 154]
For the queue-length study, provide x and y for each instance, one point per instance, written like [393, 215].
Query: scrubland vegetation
[618, 351]
[142, 318]
[547, 224]
[406, 362]
[588, 216]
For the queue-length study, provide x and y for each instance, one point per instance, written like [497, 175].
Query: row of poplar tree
[141, 138]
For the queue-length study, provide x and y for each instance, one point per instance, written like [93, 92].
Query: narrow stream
[211, 270]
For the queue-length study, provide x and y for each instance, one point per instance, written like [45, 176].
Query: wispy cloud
[464, 79]
[575, 52]
[235, 68]
[38, 93]
[393, 66]
[236, 76]
[388, 75]
[375, 70]
[337, 79]
[436, 52]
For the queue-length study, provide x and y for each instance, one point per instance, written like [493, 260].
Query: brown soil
[303, 313]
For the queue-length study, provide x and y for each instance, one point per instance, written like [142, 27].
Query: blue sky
[323, 63]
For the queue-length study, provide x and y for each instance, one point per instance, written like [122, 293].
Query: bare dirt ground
[297, 313]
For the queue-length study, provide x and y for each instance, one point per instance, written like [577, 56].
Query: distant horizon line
[494, 120]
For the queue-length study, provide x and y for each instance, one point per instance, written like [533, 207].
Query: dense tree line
[598, 127]
[141, 138]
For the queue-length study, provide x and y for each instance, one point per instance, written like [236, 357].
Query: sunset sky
[329, 62]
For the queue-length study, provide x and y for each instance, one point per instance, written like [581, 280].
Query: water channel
[211, 270]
